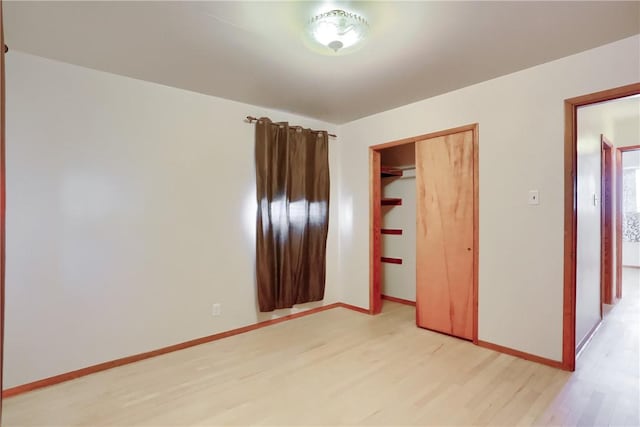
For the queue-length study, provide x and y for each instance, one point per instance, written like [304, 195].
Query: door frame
[606, 223]
[375, 216]
[570, 212]
[618, 214]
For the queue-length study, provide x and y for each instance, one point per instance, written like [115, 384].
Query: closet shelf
[391, 201]
[391, 231]
[391, 260]
[386, 171]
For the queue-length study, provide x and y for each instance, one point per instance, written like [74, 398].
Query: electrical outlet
[216, 310]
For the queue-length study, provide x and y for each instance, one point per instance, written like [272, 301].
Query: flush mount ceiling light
[337, 29]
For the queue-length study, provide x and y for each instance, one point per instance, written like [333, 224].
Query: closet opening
[424, 228]
[398, 224]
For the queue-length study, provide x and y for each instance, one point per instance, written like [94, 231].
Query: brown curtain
[292, 186]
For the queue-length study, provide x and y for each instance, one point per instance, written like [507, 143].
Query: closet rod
[251, 119]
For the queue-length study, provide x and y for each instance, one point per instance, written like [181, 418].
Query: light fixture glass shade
[338, 29]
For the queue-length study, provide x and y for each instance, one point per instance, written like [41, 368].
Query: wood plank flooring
[343, 367]
[605, 388]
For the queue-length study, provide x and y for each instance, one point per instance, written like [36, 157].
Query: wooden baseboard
[354, 308]
[521, 354]
[587, 338]
[13, 391]
[399, 300]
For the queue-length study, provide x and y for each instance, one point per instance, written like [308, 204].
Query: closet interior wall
[398, 243]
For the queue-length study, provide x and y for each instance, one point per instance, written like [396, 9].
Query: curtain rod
[251, 119]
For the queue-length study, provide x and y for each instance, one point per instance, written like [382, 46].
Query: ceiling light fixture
[338, 29]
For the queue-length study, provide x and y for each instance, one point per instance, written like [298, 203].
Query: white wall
[588, 244]
[631, 160]
[131, 209]
[631, 254]
[619, 121]
[399, 280]
[521, 132]
[627, 133]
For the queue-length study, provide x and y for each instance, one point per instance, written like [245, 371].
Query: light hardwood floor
[343, 367]
[605, 388]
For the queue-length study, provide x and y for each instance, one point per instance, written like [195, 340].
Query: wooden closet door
[444, 240]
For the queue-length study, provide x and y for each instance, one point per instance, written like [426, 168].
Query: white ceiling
[255, 52]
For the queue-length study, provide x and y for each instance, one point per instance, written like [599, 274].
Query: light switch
[534, 197]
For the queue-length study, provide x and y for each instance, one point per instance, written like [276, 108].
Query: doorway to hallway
[597, 126]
